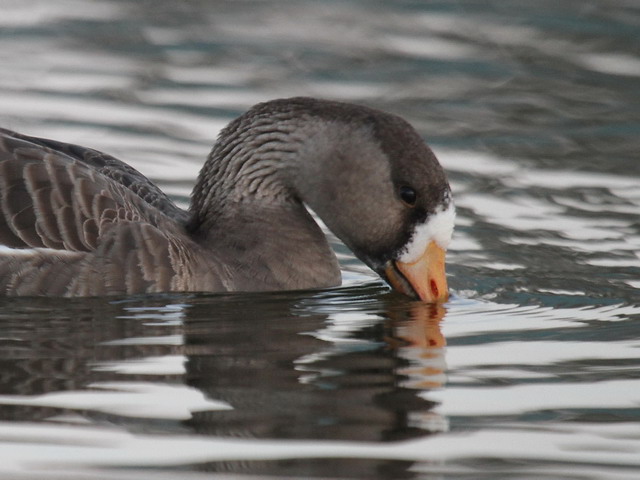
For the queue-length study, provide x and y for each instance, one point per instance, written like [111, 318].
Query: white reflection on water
[38, 106]
[588, 444]
[129, 399]
[468, 317]
[518, 399]
[526, 354]
[15, 13]
[527, 212]
[165, 365]
[611, 62]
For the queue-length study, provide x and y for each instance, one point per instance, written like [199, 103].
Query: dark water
[532, 370]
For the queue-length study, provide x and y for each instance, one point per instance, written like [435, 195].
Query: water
[532, 370]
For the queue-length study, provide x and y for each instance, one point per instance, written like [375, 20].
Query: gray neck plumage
[276, 156]
[249, 163]
[248, 201]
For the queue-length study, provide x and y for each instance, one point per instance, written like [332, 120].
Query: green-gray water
[532, 370]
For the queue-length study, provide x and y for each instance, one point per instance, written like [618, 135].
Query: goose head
[367, 174]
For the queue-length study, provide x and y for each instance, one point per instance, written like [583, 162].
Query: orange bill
[424, 277]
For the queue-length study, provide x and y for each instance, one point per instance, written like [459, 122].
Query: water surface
[532, 370]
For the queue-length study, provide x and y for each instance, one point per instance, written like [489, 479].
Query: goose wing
[74, 221]
[62, 196]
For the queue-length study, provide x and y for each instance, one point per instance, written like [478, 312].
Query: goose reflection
[298, 369]
[347, 365]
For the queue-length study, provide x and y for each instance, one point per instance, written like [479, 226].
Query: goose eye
[408, 195]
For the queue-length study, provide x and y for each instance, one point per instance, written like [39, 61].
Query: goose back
[85, 222]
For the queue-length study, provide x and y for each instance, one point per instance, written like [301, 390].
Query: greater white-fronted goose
[78, 222]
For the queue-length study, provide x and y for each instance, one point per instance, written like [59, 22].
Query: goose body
[78, 222]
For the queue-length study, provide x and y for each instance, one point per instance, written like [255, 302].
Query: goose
[77, 222]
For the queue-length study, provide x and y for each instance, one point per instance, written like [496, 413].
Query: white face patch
[438, 228]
